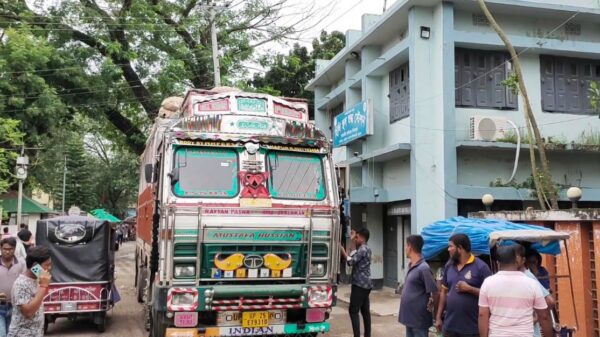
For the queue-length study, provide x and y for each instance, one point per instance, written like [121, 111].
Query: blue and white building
[423, 124]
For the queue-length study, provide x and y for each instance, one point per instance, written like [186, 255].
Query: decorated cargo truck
[238, 223]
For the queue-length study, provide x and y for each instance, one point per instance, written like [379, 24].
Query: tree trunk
[529, 119]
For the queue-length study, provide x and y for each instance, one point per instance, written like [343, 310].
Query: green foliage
[115, 61]
[594, 92]
[80, 177]
[25, 95]
[289, 74]
[71, 70]
[10, 137]
[590, 137]
[528, 184]
[512, 83]
[115, 174]
[510, 137]
[100, 173]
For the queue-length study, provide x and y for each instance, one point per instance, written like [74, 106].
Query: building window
[399, 93]
[565, 84]
[478, 77]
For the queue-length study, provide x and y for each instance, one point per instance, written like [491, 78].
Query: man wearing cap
[10, 269]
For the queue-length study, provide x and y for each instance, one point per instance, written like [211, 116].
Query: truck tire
[141, 284]
[159, 326]
[137, 269]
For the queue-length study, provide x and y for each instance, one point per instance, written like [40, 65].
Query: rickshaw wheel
[101, 322]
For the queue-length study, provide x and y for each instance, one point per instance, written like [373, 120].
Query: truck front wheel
[158, 324]
[141, 284]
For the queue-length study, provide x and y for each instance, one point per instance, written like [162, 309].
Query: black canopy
[80, 246]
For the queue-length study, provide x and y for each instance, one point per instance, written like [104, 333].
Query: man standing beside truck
[361, 282]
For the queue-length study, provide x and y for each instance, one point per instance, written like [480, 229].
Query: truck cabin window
[295, 176]
[205, 172]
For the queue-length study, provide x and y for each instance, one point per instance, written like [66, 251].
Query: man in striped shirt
[508, 300]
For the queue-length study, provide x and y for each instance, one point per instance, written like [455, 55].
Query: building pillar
[433, 145]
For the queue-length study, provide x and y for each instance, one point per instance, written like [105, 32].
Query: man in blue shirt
[420, 289]
[361, 282]
[459, 296]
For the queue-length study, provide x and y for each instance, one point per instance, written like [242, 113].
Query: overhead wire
[335, 19]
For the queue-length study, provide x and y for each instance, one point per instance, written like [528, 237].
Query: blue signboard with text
[353, 124]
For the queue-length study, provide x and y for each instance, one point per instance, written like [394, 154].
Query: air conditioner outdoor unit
[489, 128]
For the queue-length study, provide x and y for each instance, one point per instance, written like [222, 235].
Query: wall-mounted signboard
[353, 124]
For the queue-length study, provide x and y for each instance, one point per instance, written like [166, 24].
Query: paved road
[126, 319]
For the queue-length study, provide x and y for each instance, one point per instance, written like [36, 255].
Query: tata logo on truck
[253, 261]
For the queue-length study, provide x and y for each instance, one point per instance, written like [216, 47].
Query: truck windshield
[295, 176]
[205, 172]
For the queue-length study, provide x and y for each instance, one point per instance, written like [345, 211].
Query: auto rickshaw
[83, 267]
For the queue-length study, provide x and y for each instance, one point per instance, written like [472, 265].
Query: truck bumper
[282, 329]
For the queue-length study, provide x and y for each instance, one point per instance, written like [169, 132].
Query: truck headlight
[183, 299]
[320, 296]
[185, 271]
[317, 269]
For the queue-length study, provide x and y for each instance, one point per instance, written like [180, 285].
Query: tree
[25, 95]
[595, 96]
[10, 137]
[128, 55]
[542, 178]
[116, 174]
[289, 74]
[80, 179]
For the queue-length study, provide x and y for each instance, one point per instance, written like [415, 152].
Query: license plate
[232, 318]
[68, 306]
[255, 319]
[186, 319]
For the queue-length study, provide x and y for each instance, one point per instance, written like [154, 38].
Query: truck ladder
[310, 243]
[174, 236]
[199, 239]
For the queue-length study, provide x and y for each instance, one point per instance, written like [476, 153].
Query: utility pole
[212, 7]
[21, 174]
[64, 185]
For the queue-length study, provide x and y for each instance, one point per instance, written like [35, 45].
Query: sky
[342, 15]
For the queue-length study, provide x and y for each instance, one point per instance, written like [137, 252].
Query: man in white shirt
[508, 299]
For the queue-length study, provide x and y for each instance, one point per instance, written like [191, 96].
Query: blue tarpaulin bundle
[436, 235]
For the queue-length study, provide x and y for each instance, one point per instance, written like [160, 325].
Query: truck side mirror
[174, 175]
[148, 170]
